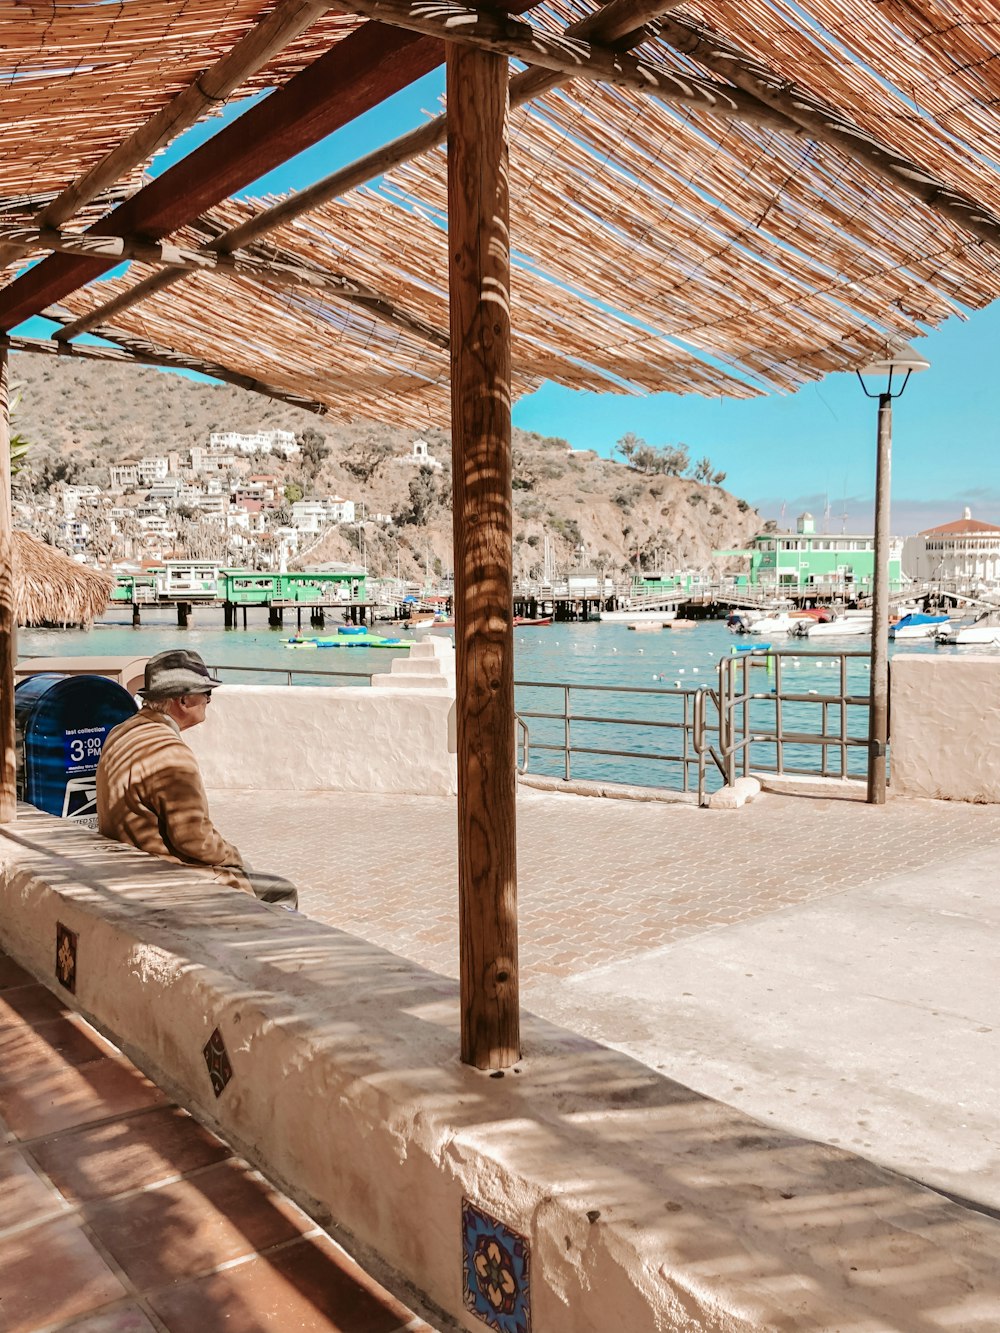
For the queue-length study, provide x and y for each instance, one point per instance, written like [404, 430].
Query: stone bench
[584, 1183]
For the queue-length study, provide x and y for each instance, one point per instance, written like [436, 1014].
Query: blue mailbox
[62, 723]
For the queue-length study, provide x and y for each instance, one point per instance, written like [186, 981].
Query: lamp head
[899, 360]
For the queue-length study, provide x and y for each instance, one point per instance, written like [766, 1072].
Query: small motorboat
[985, 630]
[836, 628]
[522, 621]
[781, 624]
[917, 625]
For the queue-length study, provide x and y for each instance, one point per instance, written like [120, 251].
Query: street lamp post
[899, 363]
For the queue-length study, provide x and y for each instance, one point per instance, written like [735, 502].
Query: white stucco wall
[945, 726]
[263, 737]
[646, 1207]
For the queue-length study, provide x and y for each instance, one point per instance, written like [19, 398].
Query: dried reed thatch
[654, 248]
[52, 589]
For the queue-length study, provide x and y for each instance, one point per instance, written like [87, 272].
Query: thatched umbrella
[52, 589]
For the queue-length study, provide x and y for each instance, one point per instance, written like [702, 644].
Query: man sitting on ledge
[149, 787]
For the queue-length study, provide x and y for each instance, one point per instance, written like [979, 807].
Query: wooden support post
[878, 728]
[183, 610]
[272, 617]
[244, 617]
[479, 292]
[228, 614]
[8, 631]
[136, 616]
[298, 617]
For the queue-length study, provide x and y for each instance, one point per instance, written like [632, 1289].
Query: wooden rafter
[274, 31]
[136, 351]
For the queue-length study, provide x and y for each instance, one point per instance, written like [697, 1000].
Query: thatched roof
[655, 246]
[52, 589]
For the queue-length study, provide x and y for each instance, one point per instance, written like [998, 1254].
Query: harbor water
[627, 694]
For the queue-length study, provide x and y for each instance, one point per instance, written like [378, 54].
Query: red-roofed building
[963, 554]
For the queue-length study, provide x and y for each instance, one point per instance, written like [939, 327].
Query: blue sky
[798, 451]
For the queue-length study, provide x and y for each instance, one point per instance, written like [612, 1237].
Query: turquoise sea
[632, 682]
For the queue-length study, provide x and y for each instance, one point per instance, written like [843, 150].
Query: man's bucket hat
[173, 673]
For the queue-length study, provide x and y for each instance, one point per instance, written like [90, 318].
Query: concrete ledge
[614, 790]
[329, 739]
[804, 784]
[644, 1206]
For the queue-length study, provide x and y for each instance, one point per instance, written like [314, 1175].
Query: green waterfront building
[807, 563]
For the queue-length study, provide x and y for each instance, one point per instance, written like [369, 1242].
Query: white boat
[639, 617]
[832, 629]
[985, 630]
[917, 625]
[780, 624]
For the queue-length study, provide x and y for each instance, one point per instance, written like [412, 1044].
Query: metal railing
[755, 733]
[289, 673]
[700, 736]
[663, 734]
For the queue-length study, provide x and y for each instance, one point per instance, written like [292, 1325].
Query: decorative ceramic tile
[220, 1071]
[66, 957]
[495, 1264]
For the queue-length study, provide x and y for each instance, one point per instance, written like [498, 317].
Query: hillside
[591, 510]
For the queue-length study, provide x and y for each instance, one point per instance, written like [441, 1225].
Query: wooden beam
[572, 57]
[274, 31]
[8, 627]
[615, 21]
[825, 125]
[268, 269]
[355, 75]
[136, 351]
[479, 297]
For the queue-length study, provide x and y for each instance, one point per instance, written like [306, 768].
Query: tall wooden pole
[479, 284]
[8, 771]
[878, 729]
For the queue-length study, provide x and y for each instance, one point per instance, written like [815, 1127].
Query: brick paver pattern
[598, 880]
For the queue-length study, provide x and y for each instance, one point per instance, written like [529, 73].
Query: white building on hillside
[315, 515]
[965, 552]
[124, 476]
[72, 497]
[151, 470]
[420, 456]
[261, 441]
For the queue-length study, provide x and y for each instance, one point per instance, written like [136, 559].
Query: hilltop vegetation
[653, 505]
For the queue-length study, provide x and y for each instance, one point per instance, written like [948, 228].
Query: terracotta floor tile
[63, 1099]
[140, 1150]
[29, 1004]
[13, 975]
[123, 1319]
[193, 1225]
[26, 1052]
[26, 1198]
[50, 1273]
[309, 1287]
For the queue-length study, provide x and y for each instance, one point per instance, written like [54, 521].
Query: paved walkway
[824, 965]
[120, 1214]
